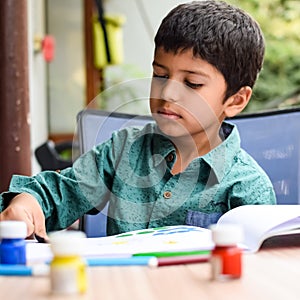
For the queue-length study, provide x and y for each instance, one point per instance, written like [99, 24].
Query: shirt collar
[162, 146]
[221, 158]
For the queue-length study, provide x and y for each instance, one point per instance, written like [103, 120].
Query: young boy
[188, 168]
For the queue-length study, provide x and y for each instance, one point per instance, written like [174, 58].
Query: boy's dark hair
[221, 34]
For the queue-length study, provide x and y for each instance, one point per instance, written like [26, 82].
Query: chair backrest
[272, 138]
[94, 127]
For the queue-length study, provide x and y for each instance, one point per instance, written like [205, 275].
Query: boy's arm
[58, 194]
[24, 207]
[62, 197]
[256, 189]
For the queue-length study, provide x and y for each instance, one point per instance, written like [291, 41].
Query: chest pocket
[200, 219]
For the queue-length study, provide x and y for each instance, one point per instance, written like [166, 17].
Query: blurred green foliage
[279, 82]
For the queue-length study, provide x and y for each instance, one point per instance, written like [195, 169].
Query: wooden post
[15, 157]
[94, 78]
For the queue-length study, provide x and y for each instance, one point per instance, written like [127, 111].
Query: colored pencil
[119, 261]
[177, 260]
[174, 253]
[22, 270]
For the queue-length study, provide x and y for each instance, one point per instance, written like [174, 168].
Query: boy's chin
[173, 130]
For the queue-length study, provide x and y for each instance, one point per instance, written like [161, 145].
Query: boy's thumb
[40, 229]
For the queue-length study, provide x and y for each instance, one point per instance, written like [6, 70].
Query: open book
[259, 223]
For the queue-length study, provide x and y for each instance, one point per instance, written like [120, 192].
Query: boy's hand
[24, 207]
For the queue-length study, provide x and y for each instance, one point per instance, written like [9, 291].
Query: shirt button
[167, 195]
[170, 157]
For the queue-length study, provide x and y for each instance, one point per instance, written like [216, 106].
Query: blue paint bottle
[12, 242]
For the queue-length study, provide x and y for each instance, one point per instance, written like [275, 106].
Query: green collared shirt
[132, 171]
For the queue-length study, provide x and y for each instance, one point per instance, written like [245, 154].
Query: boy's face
[187, 94]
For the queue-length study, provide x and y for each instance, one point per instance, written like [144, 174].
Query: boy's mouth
[168, 114]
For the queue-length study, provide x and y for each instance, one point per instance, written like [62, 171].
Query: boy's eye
[160, 76]
[193, 85]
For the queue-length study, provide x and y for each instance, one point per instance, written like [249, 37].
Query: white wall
[37, 80]
[67, 71]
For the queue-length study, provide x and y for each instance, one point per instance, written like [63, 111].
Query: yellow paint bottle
[68, 269]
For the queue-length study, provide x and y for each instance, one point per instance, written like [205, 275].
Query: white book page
[164, 239]
[170, 238]
[262, 221]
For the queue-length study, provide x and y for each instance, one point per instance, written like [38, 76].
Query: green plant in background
[279, 82]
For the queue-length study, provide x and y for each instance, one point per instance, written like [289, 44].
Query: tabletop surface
[272, 273]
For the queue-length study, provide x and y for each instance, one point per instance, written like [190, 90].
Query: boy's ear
[237, 102]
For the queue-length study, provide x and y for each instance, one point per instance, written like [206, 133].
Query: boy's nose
[171, 90]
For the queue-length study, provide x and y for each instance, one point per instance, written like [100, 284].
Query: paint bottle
[12, 242]
[68, 269]
[226, 257]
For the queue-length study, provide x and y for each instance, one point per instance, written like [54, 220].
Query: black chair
[49, 155]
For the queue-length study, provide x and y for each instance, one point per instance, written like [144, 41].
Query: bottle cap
[13, 230]
[65, 243]
[227, 234]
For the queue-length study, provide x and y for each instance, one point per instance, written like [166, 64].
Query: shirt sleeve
[66, 195]
[255, 188]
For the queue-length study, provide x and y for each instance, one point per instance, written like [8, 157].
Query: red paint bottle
[226, 257]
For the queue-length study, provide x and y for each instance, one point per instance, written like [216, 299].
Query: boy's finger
[40, 228]
[41, 235]
[41, 239]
